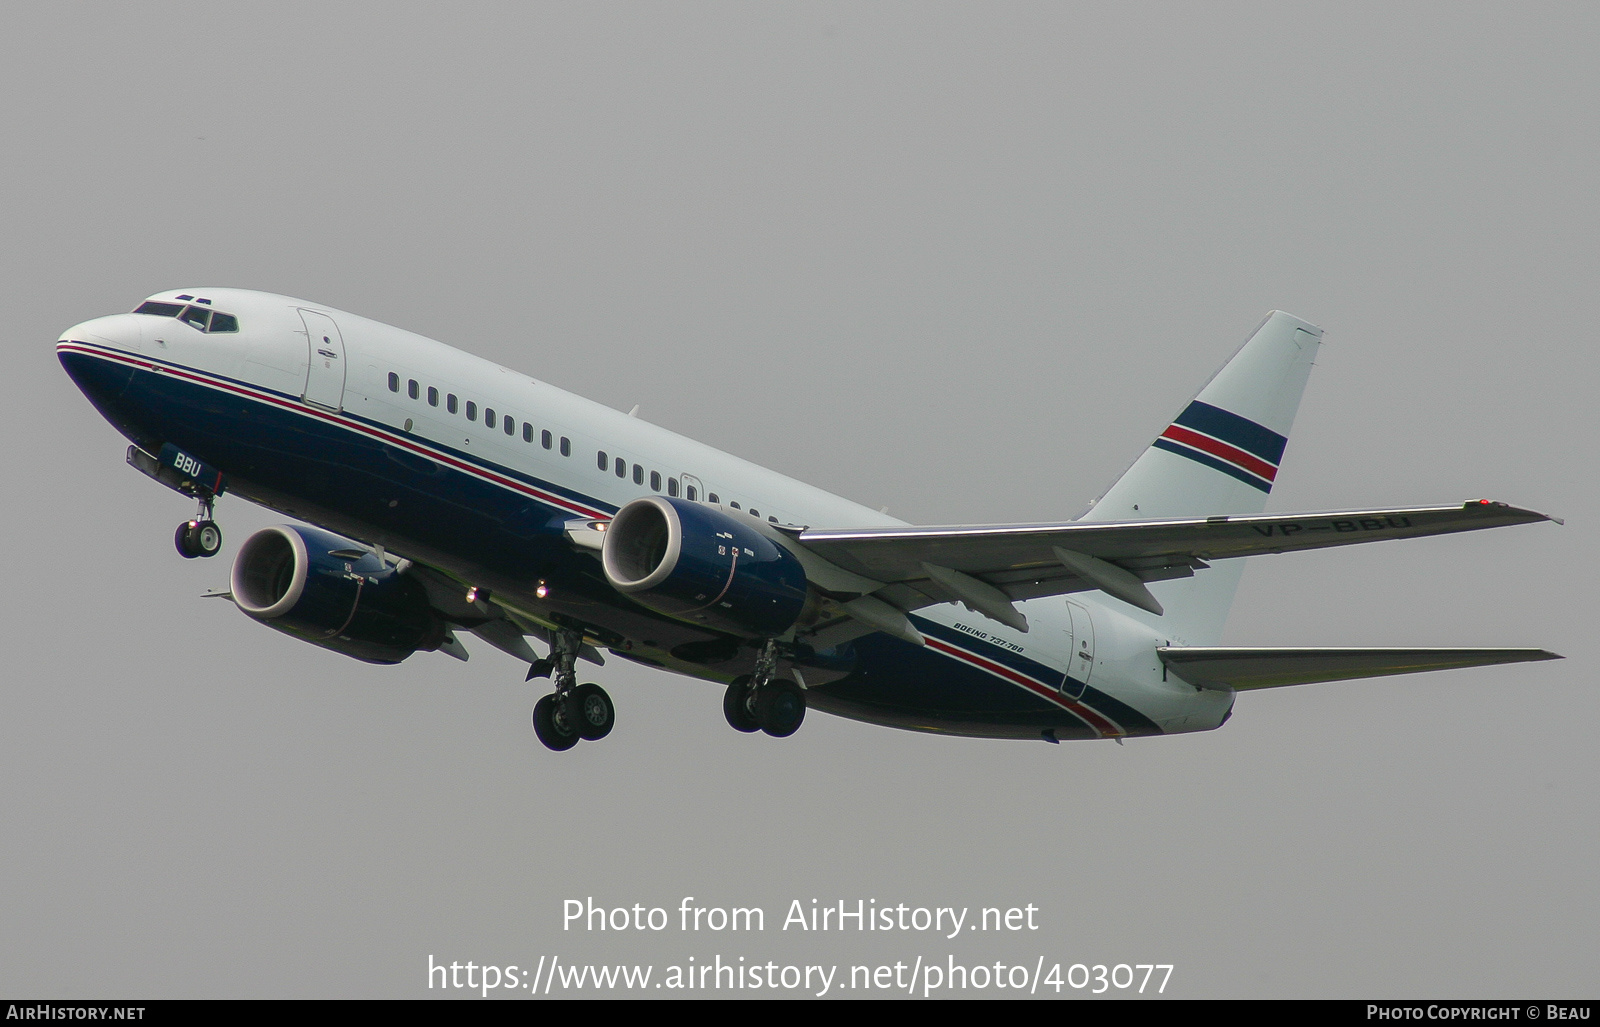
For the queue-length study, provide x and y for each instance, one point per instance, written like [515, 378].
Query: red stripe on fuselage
[343, 422]
[1105, 727]
[1217, 448]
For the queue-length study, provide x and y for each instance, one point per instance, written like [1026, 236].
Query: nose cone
[101, 347]
[121, 332]
[101, 358]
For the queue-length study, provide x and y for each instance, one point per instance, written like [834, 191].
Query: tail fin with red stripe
[1220, 455]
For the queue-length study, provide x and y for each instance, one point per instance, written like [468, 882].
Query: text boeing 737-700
[451, 495]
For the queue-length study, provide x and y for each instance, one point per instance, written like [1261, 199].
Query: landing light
[542, 591]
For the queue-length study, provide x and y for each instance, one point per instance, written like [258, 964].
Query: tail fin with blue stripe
[1220, 455]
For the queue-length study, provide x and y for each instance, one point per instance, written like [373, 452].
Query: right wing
[987, 567]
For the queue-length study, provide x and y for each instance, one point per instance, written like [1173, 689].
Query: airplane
[442, 495]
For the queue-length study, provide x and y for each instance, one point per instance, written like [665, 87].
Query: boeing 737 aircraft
[450, 495]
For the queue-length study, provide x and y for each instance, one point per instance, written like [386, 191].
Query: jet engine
[335, 593]
[699, 564]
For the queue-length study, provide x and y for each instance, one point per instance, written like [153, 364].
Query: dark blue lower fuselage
[498, 527]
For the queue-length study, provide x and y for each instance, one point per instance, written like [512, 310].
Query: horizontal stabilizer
[1241, 669]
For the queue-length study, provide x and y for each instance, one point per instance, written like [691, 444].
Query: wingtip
[1299, 322]
[1532, 514]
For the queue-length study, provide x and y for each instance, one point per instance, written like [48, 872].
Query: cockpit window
[199, 317]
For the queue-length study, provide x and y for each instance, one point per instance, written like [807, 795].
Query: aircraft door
[325, 367]
[1080, 638]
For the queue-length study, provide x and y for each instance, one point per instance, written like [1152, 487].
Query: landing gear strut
[200, 536]
[573, 712]
[764, 701]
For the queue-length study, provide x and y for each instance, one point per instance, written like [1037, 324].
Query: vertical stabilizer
[1220, 455]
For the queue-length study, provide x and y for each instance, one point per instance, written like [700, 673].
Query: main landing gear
[763, 701]
[200, 536]
[573, 712]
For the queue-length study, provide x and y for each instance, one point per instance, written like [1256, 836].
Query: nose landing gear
[201, 482]
[573, 712]
[200, 536]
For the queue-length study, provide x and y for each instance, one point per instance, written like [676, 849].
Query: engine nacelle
[335, 593]
[701, 565]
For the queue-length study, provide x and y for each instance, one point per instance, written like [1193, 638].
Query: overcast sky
[962, 260]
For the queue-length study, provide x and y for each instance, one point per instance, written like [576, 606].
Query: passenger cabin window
[672, 486]
[433, 396]
[544, 439]
[450, 402]
[527, 432]
[566, 446]
[394, 382]
[638, 475]
[754, 512]
[655, 481]
[734, 504]
[690, 491]
[711, 497]
[488, 416]
[771, 518]
[412, 389]
[603, 461]
[511, 426]
[472, 410]
[622, 467]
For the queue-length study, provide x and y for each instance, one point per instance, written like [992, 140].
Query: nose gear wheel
[199, 536]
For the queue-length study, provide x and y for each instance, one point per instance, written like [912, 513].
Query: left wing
[987, 567]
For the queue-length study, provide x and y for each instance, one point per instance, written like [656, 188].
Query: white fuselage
[410, 395]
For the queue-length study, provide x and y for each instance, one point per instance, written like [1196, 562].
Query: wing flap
[1243, 669]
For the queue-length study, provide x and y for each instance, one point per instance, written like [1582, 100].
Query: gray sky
[962, 260]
